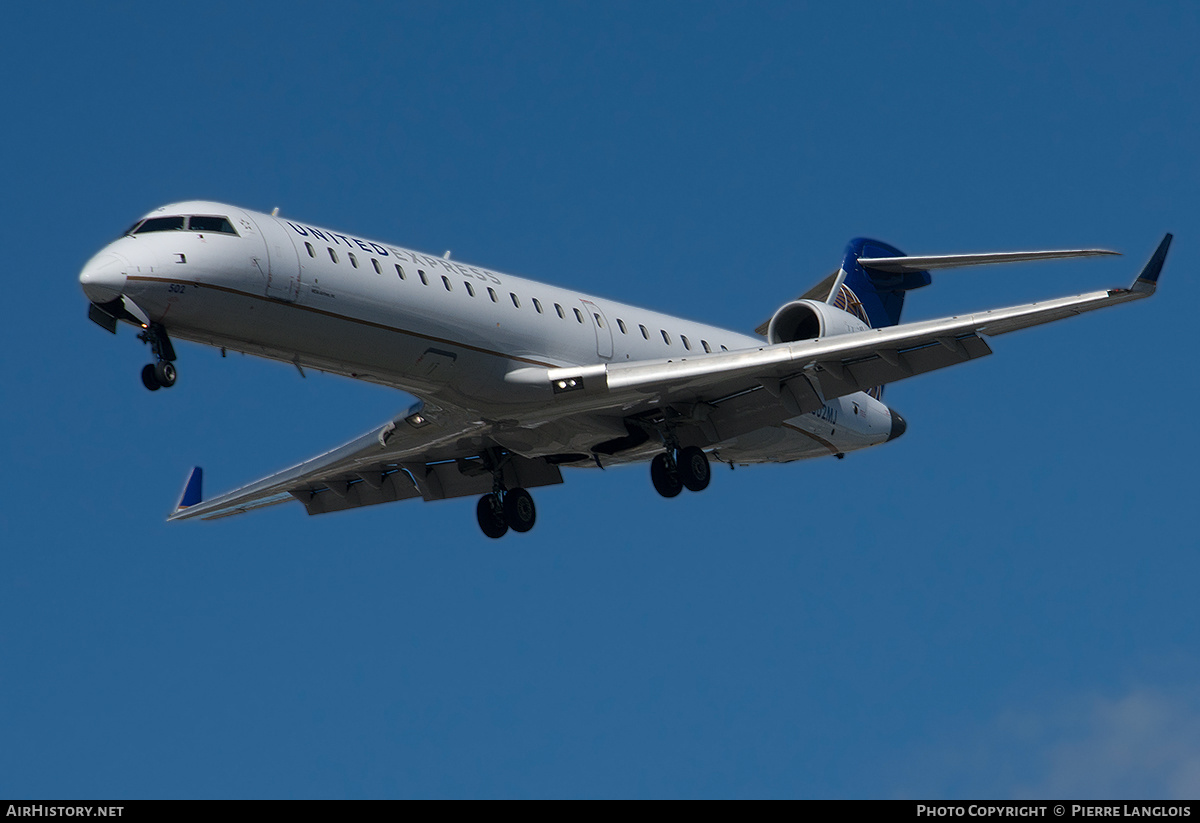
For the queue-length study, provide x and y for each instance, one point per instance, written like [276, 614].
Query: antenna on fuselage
[446, 256]
[275, 211]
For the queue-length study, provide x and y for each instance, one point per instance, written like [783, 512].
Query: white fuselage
[446, 331]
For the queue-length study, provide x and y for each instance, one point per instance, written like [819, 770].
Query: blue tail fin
[875, 296]
[191, 490]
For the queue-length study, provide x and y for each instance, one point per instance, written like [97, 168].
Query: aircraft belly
[842, 425]
[776, 444]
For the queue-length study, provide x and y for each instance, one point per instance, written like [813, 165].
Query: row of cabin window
[516, 301]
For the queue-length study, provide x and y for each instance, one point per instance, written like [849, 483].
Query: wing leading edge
[835, 366]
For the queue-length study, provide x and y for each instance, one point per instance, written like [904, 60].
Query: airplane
[518, 379]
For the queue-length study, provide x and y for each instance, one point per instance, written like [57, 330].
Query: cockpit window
[129, 230]
[197, 222]
[160, 224]
[204, 223]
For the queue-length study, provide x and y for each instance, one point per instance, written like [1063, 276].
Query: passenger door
[283, 261]
[604, 338]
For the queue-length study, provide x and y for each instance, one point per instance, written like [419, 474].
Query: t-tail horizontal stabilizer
[954, 261]
[191, 490]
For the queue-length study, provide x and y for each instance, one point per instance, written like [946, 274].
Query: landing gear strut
[160, 374]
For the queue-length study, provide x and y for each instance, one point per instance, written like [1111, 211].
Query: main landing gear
[677, 469]
[161, 373]
[503, 510]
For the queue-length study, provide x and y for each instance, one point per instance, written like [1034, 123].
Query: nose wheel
[160, 374]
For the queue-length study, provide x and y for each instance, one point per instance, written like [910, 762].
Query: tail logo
[848, 301]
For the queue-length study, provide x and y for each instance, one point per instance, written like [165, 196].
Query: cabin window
[446, 282]
[470, 289]
[558, 309]
[724, 349]
[424, 279]
[311, 253]
[621, 325]
[399, 271]
[686, 344]
[332, 254]
[353, 259]
[666, 337]
[160, 224]
[704, 343]
[492, 294]
[516, 302]
[645, 332]
[537, 304]
[378, 268]
[578, 315]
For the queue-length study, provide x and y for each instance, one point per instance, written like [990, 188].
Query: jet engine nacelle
[808, 319]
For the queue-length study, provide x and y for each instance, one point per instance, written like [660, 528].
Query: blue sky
[1000, 604]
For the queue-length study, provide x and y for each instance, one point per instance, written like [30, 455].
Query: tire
[490, 517]
[149, 378]
[519, 511]
[164, 372]
[666, 481]
[694, 470]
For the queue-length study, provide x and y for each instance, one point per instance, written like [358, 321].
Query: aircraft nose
[103, 277]
[899, 425]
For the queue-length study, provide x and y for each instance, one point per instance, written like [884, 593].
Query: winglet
[1148, 279]
[191, 490]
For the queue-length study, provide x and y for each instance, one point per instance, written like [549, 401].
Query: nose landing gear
[160, 374]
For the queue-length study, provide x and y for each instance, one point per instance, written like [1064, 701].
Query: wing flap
[890, 365]
[368, 488]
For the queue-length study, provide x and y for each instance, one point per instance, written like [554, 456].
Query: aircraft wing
[437, 452]
[805, 373]
[419, 453]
